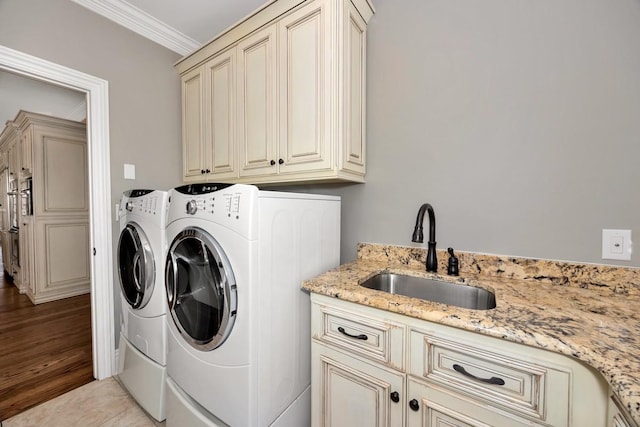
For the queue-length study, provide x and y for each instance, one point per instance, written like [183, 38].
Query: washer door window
[201, 289]
[135, 266]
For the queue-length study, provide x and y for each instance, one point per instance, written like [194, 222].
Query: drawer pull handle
[492, 380]
[414, 405]
[395, 397]
[358, 337]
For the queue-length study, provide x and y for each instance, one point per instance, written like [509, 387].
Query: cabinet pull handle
[201, 171]
[414, 405]
[492, 380]
[280, 161]
[207, 170]
[395, 397]
[272, 162]
[358, 337]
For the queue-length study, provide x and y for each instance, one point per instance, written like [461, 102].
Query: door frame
[97, 95]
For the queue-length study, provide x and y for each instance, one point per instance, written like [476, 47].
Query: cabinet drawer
[379, 340]
[436, 406]
[507, 381]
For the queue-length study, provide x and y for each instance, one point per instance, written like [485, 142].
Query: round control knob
[129, 206]
[192, 207]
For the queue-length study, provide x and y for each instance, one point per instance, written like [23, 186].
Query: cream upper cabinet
[393, 370]
[208, 128]
[257, 106]
[293, 110]
[194, 159]
[305, 90]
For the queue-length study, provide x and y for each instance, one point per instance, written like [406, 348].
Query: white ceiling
[181, 26]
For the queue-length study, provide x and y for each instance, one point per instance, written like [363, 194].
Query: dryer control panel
[230, 205]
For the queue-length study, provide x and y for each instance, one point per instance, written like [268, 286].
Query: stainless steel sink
[433, 290]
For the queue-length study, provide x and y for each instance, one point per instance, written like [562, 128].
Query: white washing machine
[239, 345]
[143, 333]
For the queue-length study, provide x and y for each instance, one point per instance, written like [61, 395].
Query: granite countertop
[587, 311]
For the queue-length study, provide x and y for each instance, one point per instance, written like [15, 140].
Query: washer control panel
[150, 204]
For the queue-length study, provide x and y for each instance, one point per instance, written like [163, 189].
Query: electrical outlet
[616, 244]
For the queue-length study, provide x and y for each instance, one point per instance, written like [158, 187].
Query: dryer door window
[136, 267]
[201, 289]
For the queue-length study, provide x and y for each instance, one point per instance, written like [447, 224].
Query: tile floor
[100, 403]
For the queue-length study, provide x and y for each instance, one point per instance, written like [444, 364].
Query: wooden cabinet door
[220, 93]
[257, 105]
[306, 82]
[193, 140]
[349, 392]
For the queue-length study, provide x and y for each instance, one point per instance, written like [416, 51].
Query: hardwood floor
[45, 350]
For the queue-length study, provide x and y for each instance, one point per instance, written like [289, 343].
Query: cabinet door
[220, 141]
[27, 147]
[26, 255]
[429, 406]
[306, 82]
[257, 113]
[193, 149]
[349, 392]
[14, 161]
[353, 150]
[61, 247]
[60, 184]
[616, 415]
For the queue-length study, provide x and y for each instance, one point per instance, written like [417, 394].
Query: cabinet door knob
[414, 405]
[272, 162]
[201, 171]
[207, 170]
[280, 161]
[395, 397]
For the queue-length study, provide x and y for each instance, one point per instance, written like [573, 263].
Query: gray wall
[519, 121]
[144, 89]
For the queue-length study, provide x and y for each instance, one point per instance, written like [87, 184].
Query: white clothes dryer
[143, 333]
[239, 345]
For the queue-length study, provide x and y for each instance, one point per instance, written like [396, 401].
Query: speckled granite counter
[591, 312]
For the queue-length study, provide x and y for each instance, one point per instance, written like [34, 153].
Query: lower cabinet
[58, 258]
[353, 393]
[371, 367]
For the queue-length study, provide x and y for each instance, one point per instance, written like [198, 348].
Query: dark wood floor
[45, 350]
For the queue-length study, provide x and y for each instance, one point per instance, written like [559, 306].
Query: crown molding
[140, 22]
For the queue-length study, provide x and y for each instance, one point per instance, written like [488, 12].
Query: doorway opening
[96, 90]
